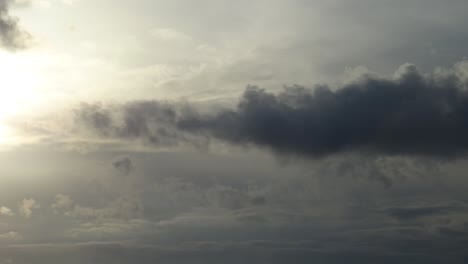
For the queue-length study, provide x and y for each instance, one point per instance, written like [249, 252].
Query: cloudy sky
[215, 131]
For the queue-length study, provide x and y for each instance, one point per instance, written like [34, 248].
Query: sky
[215, 131]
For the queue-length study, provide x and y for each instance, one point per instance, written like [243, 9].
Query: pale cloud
[27, 206]
[69, 2]
[5, 211]
[169, 34]
[23, 2]
[121, 208]
[89, 45]
[62, 204]
[11, 236]
[111, 228]
[40, 3]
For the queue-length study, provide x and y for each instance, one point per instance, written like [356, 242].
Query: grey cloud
[411, 114]
[11, 35]
[112, 228]
[121, 208]
[62, 204]
[124, 165]
[201, 222]
[150, 120]
[410, 213]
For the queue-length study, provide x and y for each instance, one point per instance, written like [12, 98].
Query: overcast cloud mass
[218, 131]
[411, 114]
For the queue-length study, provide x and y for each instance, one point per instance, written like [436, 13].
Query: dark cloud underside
[11, 35]
[412, 114]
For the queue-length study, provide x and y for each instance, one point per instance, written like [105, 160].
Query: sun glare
[18, 89]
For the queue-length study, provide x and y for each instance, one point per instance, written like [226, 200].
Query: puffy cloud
[27, 206]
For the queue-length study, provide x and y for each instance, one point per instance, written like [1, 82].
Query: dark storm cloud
[11, 35]
[412, 114]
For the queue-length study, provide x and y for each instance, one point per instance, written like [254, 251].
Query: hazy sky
[213, 131]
